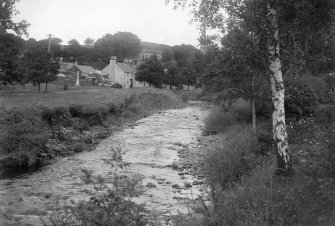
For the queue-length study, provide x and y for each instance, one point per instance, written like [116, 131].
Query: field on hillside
[92, 97]
[31, 123]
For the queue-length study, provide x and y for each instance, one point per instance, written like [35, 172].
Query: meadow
[29, 121]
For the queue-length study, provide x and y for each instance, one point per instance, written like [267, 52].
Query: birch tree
[284, 162]
[285, 28]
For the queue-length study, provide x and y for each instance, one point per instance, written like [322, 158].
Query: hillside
[153, 47]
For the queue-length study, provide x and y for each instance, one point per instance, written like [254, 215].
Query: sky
[150, 20]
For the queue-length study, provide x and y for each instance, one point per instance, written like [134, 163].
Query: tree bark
[39, 87]
[253, 109]
[46, 87]
[284, 161]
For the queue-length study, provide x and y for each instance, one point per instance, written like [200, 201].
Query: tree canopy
[150, 71]
[121, 44]
[73, 42]
[7, 11]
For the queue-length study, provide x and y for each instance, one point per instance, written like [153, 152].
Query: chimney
[112, 72]
[113, 60]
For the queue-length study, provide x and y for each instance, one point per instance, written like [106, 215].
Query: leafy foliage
[11, 47]
[73, 42]
[300, 99]
[171, 76]
[39, 67]
[23, 136]
[150, 71]
[121, 44]
[111, 200]
[7, 11]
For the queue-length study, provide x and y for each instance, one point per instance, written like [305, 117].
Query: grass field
[81, 96]
[28, 118]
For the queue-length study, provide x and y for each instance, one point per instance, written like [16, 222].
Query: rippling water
[150, 146]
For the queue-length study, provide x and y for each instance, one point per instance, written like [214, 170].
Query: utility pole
[49, 43]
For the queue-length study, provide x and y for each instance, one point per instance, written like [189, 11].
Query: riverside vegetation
[239, 163]
[36, 128]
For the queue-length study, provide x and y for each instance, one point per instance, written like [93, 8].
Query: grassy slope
[28, 121]
[241, 173]
[66, 98]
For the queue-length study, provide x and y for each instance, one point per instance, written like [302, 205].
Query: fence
[59, 84]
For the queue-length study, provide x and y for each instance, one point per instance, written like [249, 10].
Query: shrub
[110, 203]
[299, 99]
[217, 121]
[242, 110]
[234, 156]
[325, 114]
[265, 199]
[23, 137]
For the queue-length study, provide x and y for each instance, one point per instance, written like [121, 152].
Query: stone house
[122, 73]
[84, 71]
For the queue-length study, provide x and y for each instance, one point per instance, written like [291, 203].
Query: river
[151, 145]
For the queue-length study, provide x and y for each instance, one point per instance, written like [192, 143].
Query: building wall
[117, 75]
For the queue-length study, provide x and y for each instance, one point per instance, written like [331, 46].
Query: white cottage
[121, 73]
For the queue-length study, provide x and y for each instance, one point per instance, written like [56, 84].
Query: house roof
[127, 68]
[86, 69]
[65, 66]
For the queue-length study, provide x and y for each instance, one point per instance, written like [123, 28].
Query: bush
[217, 121]
[325, 114]
[243, 112]
[264, 199]
[234, 156]
[299, 99]
[110, 203]
[117, 86]
[23, 137]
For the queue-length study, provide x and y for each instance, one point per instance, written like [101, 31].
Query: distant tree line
[30, 61]
[180, 65]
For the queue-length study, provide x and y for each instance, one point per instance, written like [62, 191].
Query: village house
[121, 73]
[84, 71]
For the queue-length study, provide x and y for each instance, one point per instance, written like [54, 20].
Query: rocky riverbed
[163, 148]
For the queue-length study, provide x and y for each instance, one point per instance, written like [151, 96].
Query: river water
[151, 146]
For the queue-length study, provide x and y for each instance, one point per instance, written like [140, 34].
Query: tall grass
[26, 121]
[219, 120]
[241, 173]
[231, 157]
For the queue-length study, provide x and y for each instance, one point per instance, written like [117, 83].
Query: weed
[110, 203]
[231, 158]
[217, 121]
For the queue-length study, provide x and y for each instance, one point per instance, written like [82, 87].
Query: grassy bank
[37, 127]
[240, 165]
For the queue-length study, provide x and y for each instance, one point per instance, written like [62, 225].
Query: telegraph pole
[49, 43]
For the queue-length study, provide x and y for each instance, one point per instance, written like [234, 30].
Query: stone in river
[187, 185]
[175, 186]
[196, 182]
[150, 185]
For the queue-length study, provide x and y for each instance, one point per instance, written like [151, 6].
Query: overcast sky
[150, 20]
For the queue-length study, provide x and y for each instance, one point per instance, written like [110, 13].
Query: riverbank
[239, 165]
[37, 128]
[151, 145]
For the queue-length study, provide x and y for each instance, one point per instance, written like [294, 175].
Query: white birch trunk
[284, 162]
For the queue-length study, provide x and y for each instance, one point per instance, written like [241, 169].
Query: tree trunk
[170, 86]
[46, 87]
[253, 109]
[39, 87]
[188, 87]
[284, 161]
